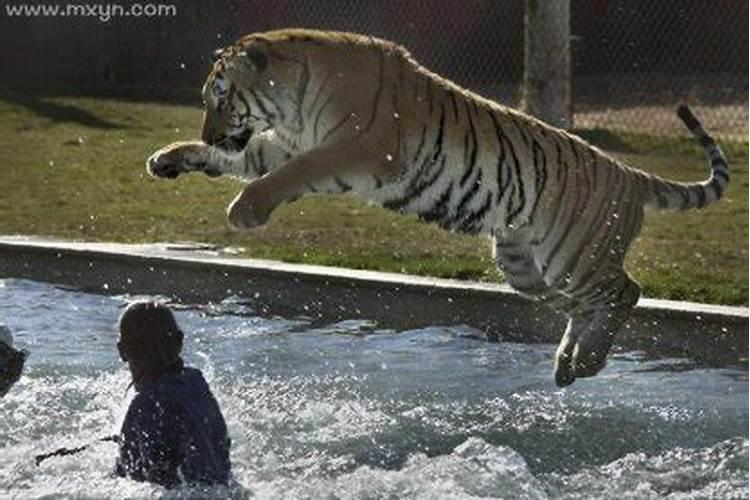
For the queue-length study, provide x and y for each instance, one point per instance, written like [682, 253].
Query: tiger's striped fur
[302, 111]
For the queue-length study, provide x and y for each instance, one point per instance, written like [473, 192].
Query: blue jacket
[174, 433]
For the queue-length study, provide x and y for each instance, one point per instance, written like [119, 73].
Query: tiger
[295, 111]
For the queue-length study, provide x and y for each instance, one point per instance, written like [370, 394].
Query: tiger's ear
[257, 59]
[216, 55]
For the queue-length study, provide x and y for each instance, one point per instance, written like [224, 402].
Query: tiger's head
[253, 86]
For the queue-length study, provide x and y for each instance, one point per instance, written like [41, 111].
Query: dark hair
[149, 335]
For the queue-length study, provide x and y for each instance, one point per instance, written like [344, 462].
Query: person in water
[173, 432]
[11, 361]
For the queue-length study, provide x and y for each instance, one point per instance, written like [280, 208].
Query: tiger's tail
[669, 195]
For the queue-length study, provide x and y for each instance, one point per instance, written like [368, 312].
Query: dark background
[624, 51]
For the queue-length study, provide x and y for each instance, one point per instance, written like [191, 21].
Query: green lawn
[74, 168]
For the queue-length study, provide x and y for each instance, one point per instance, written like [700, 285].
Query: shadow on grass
[60, 113]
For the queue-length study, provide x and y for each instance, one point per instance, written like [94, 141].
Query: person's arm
[149, 446]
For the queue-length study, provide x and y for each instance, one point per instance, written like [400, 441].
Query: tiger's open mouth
[234, 143]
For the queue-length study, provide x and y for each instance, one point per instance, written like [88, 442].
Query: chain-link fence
[633, 60]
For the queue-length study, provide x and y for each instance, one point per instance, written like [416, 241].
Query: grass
[74, 168]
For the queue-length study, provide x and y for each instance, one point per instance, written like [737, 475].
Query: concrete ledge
[714, 335]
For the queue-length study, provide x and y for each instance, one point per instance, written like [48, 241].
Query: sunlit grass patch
[74, 168]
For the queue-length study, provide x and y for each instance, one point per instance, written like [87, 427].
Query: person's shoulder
[195, 378]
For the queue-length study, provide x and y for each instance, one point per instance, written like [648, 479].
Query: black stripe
[684, 194]
[578, 208]
[438, 148]
[417, 186]
[593, 229]
[454, 104]
[716, 185]
[473, 154]
[301, 91]
[333, 129]
[261, 106]
[661, 193]
[261, 162]
[721, 173]
[343, 186]
[430, 97]
[706, 141]
[319, 92]
[701, 196]
[561, 186]
[719, 163]
[512, 213]
[500, 159]
[322, 108]
[378, 91]
[468, 195]
[541, 175]
[468, 224]
[276, 105]
[421, 143]
[439, 210]
[561, 167]
[243, 99]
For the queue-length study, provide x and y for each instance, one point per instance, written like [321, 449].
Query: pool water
[351, 410]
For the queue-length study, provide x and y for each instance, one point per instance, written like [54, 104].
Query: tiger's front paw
[245, 213]
[179, 158]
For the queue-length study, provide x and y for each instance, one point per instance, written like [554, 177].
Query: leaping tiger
[303, 111]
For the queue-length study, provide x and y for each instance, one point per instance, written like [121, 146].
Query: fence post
[546, 78]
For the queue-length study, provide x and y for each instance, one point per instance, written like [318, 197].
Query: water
[353, 411]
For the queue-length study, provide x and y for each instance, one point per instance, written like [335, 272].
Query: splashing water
[350, 411]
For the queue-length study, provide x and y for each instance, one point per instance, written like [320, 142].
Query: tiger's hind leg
[592, 326]
[520, 269]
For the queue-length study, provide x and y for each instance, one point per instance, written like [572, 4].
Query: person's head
[150, 341]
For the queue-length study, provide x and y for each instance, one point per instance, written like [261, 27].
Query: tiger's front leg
[262, 154]
[340, 165]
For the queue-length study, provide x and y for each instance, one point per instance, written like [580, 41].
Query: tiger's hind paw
[580, 356]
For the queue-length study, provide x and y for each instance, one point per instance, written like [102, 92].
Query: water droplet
[182, 65]
[105, 286]
[389, 157]
[51, 163]
[396, 116]
[130, 281]
[271, 83]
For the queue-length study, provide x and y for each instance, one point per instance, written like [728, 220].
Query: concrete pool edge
[707, 333]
